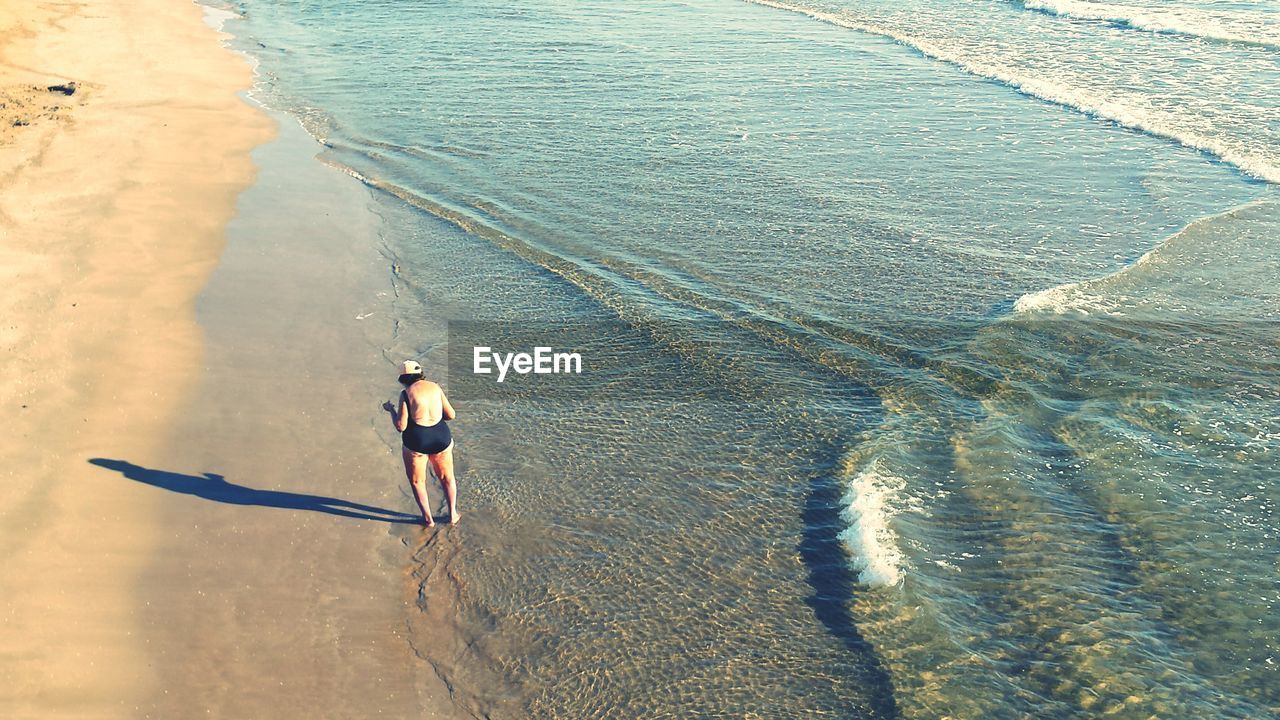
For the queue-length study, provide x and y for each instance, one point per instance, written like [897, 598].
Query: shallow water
[930, 348]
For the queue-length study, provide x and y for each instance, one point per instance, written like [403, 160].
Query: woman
[420, 418]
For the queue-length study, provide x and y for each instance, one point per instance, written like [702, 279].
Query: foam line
[869, 537]
[1158, 124]
[1192, 23]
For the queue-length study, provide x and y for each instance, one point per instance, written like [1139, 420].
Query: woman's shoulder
[423, 387]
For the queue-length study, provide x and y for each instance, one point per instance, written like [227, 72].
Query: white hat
[410, 367]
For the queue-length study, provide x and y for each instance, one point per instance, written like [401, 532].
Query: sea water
[930, 347]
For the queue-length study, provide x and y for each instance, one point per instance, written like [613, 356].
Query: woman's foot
[453, 519]
[429, 522]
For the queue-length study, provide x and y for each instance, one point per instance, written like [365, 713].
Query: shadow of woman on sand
[214, 487]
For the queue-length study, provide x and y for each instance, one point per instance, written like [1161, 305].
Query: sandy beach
[188, 530]
[928, 359]
[115, 194]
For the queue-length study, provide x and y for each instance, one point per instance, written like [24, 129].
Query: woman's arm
[400, 414]
[445, 408]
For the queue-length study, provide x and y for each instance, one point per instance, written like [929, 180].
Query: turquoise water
[936, 345]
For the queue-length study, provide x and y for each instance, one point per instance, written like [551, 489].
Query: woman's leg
[442, 466]
[415, 468]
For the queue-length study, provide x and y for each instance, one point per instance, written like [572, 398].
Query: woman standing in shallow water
[420, 417]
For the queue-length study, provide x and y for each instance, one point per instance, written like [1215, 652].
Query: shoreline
[112, 220]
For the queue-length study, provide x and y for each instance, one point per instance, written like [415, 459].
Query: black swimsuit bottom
[427, 439]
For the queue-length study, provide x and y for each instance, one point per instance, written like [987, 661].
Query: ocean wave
[1184, 21]
[867, 509]
[1080, 297]
[1060, 299]
[1205, 253]
[1156, 123]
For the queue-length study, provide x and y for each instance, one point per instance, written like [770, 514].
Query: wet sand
[112, 206]
[288, 533]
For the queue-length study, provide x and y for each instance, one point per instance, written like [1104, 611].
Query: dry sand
[112, 206]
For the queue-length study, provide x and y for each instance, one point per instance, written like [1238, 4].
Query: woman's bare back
[427, 403]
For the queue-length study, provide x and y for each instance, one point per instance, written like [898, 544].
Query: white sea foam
[867, 510]
[1181, 21]
[1163, 124]
[217, 17]
[1059, 299]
